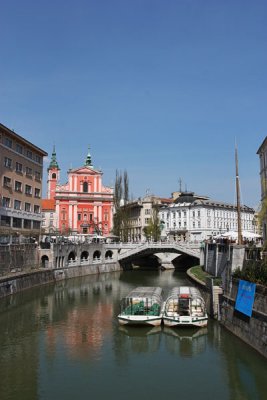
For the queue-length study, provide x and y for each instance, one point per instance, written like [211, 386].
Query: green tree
[121, 211]
[153, 230]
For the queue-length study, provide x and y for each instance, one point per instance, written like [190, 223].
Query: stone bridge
[165, 252]
[59, 255]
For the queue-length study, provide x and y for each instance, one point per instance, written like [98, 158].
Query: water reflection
[63, 339]
[140, 340]
[191, 341]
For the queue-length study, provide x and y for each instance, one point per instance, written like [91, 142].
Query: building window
[29, 172]
[37, 175]
[85, 187]
[79, 217]
[85, 217]
[7, 162]
[36, 224]
[17, 204]
[38, 159]
[198, 213]
[36, 209]
[90, 217]
[6, 202]
[37, 193]
[29, 154]
[18, 167]
[105, 216]
[18, 186]
[17, 222]
[28, 207]
[8, 142]
[19, 148]
[27, 224]
[54, 176]
[147, 211]
[193, 213]
[7, 182]
[63, 215]
[28, 190]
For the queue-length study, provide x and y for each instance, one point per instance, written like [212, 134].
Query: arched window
[54, 175]
[85, 187]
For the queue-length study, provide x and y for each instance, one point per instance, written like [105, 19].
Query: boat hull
[188, 321]
[139, 320]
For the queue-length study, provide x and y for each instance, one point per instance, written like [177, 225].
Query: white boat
[185, 306]
[142, 306]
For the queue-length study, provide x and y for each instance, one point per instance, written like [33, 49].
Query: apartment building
[196, 218]
[21, 171]
[140, 212]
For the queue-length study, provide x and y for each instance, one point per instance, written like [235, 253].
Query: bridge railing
[191, 248]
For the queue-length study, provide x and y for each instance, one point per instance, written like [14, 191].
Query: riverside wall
[252, 330]
[25, 280]
[222, 260]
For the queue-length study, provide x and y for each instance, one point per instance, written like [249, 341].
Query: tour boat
[185, 306]
[142, 306]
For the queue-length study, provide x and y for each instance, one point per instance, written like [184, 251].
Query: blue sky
[161, 88]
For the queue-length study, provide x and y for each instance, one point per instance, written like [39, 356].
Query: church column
[75, 210]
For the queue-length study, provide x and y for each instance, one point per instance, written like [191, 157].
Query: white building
[196, 218]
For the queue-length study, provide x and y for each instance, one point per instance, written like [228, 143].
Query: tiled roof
[48, 204]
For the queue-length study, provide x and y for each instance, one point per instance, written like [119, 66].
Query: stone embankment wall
[218, 256]
[21, 281]
[252, 330]
[18, 258]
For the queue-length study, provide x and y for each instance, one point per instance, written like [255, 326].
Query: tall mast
[239, 237]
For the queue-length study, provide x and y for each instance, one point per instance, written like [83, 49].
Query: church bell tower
[53, 175]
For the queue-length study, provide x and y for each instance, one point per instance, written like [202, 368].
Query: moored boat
[185, 306]
[142, 306]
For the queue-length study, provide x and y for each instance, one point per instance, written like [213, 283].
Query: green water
[63, 341]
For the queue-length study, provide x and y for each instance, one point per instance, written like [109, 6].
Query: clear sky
[161, 88]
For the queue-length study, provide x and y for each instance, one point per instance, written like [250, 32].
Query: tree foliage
[153, 230]
[254, 271]
[121, 198]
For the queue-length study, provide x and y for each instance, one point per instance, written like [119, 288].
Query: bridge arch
[72, 256]
[44, 261]
[84, 255]
[109, 254]
[97, 255]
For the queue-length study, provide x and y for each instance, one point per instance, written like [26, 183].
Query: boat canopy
[146, 292]
[188, 291]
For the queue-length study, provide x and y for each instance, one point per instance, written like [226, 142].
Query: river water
[63, 341]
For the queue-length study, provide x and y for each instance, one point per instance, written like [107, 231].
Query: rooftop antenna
[180, 185]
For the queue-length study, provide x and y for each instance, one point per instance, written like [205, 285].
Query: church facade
[83, 204]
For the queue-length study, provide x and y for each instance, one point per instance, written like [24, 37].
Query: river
[63, 341]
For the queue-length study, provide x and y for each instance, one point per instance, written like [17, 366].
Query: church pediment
[85, 170]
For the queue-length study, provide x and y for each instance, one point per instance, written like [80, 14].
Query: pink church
[83, 204]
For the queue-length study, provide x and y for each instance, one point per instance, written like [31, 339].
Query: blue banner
[245, 297]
